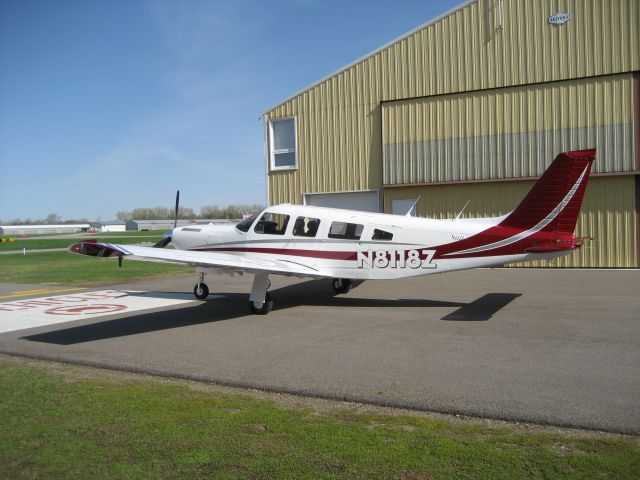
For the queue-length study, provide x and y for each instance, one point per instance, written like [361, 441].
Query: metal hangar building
[473, 106]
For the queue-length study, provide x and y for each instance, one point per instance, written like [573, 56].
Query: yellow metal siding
[467, 51]
[607, 214]
[508, 132]
[335, 148]
[341, 146]
[568, 104]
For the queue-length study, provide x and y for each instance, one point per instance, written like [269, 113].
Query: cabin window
[272, 224]
[245, 224]
[306, 227]
[347, 231]
[381, 235]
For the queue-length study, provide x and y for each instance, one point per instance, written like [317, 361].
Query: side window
[306, 227]
[347, 231]
[381, 235]
[272, 224]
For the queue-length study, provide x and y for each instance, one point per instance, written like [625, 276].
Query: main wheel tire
[341, 285]
[201, 291]
[265, 308]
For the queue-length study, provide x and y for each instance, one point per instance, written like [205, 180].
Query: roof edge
[371, 54]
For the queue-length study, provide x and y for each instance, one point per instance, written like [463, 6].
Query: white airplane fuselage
[409, 252]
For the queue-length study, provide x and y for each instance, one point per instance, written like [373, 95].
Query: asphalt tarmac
[558, 347]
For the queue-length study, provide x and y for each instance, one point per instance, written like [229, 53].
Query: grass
[58, 423]
[133, 233]
[36, 243]
[68, 269]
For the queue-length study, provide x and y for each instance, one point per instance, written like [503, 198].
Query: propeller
[167, 235]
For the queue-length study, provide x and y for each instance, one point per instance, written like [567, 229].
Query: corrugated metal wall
[339, 119]
[608, 214]
[468, 51]
[508, 132]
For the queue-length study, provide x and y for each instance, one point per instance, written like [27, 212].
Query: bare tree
[53, 218]
[185, 212]
[230, 211]
[211, 211]
[208, 211]
[123, 216]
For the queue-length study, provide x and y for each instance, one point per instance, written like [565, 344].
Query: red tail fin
[554, 201]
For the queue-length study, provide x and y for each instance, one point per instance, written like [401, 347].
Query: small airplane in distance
[345, 245]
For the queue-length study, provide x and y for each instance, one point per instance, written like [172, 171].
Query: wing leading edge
[226, 261]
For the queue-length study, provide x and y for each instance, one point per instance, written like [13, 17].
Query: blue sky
[112, 105]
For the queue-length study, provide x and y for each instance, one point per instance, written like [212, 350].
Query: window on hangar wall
[282, 141]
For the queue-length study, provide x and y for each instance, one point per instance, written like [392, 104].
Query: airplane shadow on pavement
[229, 306]
[483, 308]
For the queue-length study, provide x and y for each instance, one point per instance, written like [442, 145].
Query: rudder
[554, 201]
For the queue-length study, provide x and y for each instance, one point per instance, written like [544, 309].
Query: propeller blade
[163, 243]
[167, 235]
[175, 223]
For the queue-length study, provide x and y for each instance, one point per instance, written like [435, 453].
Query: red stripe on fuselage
[326, 254]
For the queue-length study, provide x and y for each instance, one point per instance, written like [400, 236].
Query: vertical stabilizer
[553, 204]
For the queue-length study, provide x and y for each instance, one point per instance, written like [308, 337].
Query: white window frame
[273, 152]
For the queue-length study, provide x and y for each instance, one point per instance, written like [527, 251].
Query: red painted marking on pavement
[85, 309]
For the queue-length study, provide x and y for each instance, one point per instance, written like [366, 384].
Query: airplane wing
[220, 260]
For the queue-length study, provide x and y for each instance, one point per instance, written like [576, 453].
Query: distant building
[111, 226]
[142, 225]
[43, 229]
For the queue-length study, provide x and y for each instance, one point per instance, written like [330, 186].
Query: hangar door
[450, 149]
[367, 201]
[508, 133]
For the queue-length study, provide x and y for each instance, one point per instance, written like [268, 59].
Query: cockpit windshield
[245, 224]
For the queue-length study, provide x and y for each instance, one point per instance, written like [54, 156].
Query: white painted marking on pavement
[37, 312]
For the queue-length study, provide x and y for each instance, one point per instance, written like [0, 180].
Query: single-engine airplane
[345, 245]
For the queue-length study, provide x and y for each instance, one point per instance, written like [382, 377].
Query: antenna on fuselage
[465, 206]
[408, 214]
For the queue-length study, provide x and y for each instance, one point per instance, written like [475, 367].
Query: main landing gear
[201, 291]
[260, 302]
[266, 307]
[341, 285]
